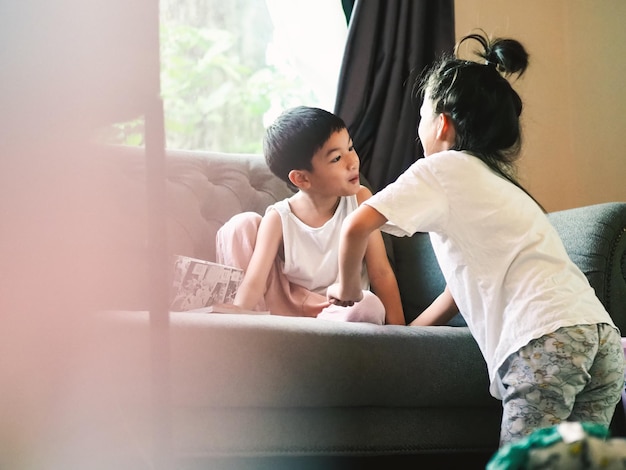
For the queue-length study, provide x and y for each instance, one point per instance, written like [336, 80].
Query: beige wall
[574, 93]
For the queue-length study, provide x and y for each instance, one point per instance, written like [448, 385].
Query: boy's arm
[268, 240]
[382, 278]
[440, 312]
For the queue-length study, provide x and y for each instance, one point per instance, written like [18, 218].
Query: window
[229, 68]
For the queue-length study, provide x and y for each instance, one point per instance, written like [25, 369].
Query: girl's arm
[268, 241]
[355, 234]
[382, 278]
[440, 312]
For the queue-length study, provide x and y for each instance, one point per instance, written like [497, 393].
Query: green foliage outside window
[216, 90]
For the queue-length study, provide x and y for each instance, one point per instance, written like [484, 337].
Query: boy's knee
[369, 309]
[235, 240]
[240, 226]
[373, 308]
[242, 220]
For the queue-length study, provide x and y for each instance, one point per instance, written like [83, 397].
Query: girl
[552, 351]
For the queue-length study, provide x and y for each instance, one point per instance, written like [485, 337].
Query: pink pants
[235, 243]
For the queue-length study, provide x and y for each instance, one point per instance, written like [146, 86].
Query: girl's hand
[338, 295]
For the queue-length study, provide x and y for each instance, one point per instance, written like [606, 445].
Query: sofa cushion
[248, 385]
[230, 360]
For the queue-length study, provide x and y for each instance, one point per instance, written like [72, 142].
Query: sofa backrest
[204, 189]
[594, 237]
[420, 279]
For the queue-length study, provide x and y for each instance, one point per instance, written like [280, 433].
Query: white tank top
[311, 253]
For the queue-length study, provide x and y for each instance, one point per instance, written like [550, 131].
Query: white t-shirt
[311, 254]
[503, 261]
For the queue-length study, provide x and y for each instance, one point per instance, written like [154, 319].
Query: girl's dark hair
[480, 101]
[293, 138]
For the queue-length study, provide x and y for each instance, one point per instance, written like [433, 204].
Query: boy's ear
[299, 178]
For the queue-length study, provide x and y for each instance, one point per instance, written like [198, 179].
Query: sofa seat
[262, 385]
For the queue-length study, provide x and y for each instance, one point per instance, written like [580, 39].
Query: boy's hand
[337, 295]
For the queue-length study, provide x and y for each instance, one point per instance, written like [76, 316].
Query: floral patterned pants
[573, 374]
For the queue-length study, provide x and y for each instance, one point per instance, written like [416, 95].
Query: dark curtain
[347, 6]
[389, 44]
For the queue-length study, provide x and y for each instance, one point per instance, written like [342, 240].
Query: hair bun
[508, 56]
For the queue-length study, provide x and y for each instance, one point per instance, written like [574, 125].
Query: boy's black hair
[293, 138]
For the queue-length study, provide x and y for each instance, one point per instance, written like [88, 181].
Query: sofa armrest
[595, 239]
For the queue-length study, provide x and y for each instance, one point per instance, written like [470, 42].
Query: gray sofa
[245, 391]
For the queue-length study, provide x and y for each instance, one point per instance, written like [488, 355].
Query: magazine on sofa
[204, 286]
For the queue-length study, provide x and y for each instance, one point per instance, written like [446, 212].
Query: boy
[290, 255]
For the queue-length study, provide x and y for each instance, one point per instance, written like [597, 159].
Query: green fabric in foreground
[569, 445]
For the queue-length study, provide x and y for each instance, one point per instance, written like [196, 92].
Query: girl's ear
[445, 128]
[443, 123]
[299, 178]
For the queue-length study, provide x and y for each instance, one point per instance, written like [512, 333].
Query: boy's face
[335, 167]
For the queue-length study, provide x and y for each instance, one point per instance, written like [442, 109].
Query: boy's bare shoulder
[271, 218]
[363, 194]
